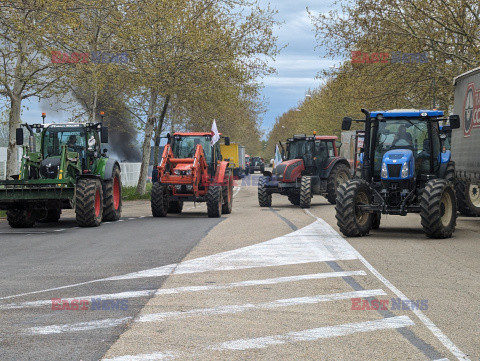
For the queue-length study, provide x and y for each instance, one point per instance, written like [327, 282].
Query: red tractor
[312, 166]
[191, 169]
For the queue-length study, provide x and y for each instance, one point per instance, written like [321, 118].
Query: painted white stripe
[269, 281]
[231, 309]
[157, 356]
[316, 334]
[106, 296]
[442, 359]
[220, 310]
[425, 320]
[82, 326]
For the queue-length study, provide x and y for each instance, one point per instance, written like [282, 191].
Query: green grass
[130, 193]
[3, 214]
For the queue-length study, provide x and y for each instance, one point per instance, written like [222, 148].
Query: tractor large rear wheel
[20, 218]
[438, 209]
[353, 221]
[112, 202]
[50, 215]
[305, 192]
[228, 195]
[468, 198]
[339, 175]
[89, 202]
[159, 200]
[264, 198]
[214, 201]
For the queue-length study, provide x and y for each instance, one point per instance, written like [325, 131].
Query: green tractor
[69, 171]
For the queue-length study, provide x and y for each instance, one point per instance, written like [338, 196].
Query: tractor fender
[108, 170]
[220, 174]
[332, 162]
[443, 169]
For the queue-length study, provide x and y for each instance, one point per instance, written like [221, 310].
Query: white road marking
[59, 230]
[220, 310]
[157, 356]
[107, 296]
[82, 326]
[231, 309]
[131, 218]
[28, 233]
[316, 333]
[442, 359]
[425, 320]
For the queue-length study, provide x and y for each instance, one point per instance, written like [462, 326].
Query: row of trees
[447, 30]
[184, 63]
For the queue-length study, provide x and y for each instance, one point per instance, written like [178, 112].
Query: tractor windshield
[403, 133]
[55, 137]
[297, 149]
[184, 147]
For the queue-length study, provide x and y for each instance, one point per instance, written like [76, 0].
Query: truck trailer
[465, 142]
[235, 155]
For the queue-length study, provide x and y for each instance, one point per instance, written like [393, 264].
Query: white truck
[465, 142]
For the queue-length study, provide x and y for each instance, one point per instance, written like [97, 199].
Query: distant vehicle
[465, 143]
[247, 164]
[235, 155]
[257, 164]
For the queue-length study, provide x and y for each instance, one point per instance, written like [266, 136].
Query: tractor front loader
[191, 169]
[69, 171]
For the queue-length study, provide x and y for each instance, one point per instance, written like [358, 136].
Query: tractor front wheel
[264, 198]
[214, 201]
[351, 219]
[376, 218]
[112, 203]
[468, 198]
[228, 196]
[89, 202]
[50, 215]
[305, 192]
[339, 175]
[175, 207]
[20, 218]
[294, 198]
[438, 209]
[159, 200]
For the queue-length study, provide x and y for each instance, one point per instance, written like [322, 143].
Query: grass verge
[3, 214]
[130, 193]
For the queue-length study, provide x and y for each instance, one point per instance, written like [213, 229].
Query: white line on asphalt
[131, 218]
[13, 233]
[157, 356]
[59, 230]
[425, 320]
[107, 296]
[82, 326]
[442, 359]
[231, 309]
[316, 333]
[220, 310]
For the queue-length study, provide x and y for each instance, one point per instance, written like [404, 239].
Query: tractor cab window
[56, 137]
[403, 133]
[300, 149]
[331, 151]
[184, 147]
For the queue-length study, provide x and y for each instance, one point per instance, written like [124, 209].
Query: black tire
[305, 192]
[228, 196]
[450, 172]
[339, 174]
[262, 170]
[294, 198]
[89, 202]
[252, 171]
[438, 209]
[376, 218]
[112, 197]
[467, 206]
[214, 201]
[154, 175]
[159, 200]
[175, 207]
[351, 220]
[247, 171]
[264, 198]
[52, 215]
[20, 218]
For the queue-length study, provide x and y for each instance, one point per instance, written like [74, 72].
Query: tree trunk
[158, 131]
[146, 148]
[13, 123]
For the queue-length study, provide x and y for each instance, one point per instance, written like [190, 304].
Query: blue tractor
[405, 167]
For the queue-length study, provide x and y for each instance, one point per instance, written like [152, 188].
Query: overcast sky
[299, 63]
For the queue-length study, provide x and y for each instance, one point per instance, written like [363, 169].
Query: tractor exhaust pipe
[367, 164]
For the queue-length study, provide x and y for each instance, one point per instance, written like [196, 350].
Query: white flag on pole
[216, 135]
[278, 156]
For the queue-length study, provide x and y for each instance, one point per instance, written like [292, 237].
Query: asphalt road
[274, 283]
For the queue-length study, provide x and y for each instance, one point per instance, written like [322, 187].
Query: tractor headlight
[176, 172]
[384, 171]
[405, 170]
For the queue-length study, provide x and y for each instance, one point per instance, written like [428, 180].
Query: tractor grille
[394, 170]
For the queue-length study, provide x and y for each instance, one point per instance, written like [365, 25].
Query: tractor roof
[311, 137]
[193, 134]
[326, 137]
[413, 113]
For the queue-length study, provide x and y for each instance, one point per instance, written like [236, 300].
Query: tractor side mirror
[19, 136]
[454, 121]
[227, 140]
[346, 123]
[104, 135]
[169, 138]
